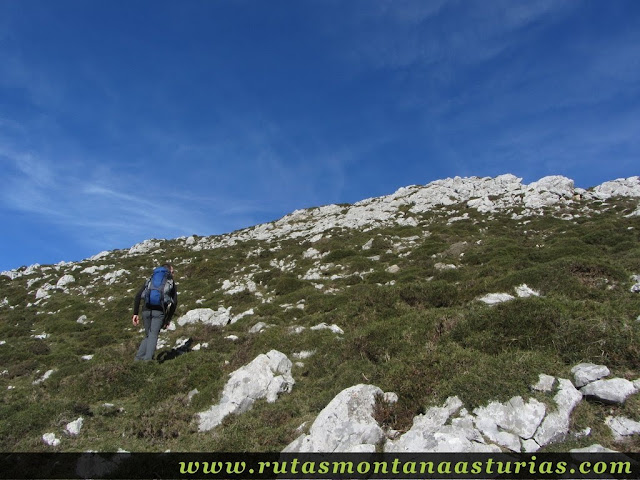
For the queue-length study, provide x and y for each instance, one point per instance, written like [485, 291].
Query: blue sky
[127, 120]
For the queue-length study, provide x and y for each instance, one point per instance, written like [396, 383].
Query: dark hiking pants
[153, 320]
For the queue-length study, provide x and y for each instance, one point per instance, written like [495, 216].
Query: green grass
[419, 332]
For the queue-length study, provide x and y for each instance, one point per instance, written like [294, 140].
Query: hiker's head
[169, 267]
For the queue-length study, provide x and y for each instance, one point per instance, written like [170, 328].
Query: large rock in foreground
[346, 424]
[267, 376]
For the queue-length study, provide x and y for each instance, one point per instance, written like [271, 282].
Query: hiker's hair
[168, 266]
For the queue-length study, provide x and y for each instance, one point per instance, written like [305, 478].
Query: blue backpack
[158, 291]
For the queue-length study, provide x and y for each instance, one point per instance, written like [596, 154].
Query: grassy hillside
[407, 304]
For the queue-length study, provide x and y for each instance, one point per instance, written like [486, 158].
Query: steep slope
[404, 292]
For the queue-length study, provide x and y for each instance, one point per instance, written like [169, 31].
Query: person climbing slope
[160, 302]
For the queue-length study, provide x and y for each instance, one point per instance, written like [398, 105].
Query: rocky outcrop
[346, 424]
[436, 431]
[519, 425]
[267, 376]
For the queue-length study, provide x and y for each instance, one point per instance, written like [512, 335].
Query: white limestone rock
[334, 328]
[312, 253]
[495, 298]
[43, 291]
[92, 270]
[524, 291]
[515, 416]
[238, 286]
[615, 390]
[258, 327]
[622, 427]
[51, 439]
[545, 383]
[555, 426]
[346, 424]
[489, 428]
[44, 378]
[240, 316]
[144, 247]
[585, 373]
[73, 428]
[99, 256]
[65, 280]
[635, 288]
[112, 277]
[444, 266]
[625, 187]
[267, 376]
[430, 433]
[208, 316]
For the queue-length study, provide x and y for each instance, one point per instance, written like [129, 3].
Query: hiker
[160, 301]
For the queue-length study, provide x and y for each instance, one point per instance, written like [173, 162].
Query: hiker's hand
[135, 320]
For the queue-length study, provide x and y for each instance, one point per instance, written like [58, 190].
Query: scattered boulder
[334, 328]
[635, 288]
[622, 427]
[267, 376]
[495, 298]
[615, 390]
[51, 439]
[523, 291]
[258, 327]
[545, 383]
[65, 280]
[346, 424]
[144, 247]
[585, 373]
[73, 428]
[44, 378]
[444, 266]
[221, 317]
[43, 291]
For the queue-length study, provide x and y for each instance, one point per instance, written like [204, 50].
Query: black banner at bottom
[318, 465]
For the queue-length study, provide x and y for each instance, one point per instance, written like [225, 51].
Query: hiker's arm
[136, 306]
